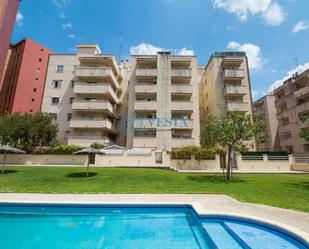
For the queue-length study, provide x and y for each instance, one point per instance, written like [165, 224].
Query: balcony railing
[182, 106]
[146, 88]
[235, 90]
[233, 74]
[84, 105]
[99, 88]
[301, 92]
[88, 140]
[182, 88]
[93, 124]
[187, 73]
[237, 106]
[302, 108]
[146, 72]
[145, 105]
[96, 73]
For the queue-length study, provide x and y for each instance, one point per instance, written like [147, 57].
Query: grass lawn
[284, 190]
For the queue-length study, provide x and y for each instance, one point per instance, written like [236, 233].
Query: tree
[304, 132]
[27, 131]
[232, 131]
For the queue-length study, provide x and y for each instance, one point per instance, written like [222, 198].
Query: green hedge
[65, 149]
[184, 153]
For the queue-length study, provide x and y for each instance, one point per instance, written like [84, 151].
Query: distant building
[24, 78]
[8, 11]
[265, 106]
[292, 102]
[225, 86]
[83, 93]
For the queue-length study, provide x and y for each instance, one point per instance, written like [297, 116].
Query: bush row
[200, 153]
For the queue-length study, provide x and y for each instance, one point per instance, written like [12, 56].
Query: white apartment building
[163, 109]
[83, 93]
[155, 101]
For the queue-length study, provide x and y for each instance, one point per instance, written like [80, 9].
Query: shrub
[98, 146]
[64, 149]
[184, 153]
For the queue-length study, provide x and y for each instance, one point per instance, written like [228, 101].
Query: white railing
[301, 160]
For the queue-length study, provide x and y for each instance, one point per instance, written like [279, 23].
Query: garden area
[281, 190]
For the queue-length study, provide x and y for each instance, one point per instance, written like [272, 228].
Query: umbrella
[8, 149]
[89, 151]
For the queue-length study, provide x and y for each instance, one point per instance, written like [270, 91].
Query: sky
[273, 33]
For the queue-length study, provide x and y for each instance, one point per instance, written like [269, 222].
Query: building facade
[163, 110]
[83, 95]
[292, 102]
[24, 79]
[265, 106]
[225, 86]
[8, 11]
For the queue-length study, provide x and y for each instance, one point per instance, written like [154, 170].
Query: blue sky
[272, 32]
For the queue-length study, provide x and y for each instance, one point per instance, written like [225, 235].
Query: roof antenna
[120, 46]
[298, 67]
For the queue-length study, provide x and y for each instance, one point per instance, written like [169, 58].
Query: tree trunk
[87, 173]
[229, 164]
[3, 163]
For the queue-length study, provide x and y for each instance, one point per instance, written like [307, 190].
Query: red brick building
[24, 79]
[8, 11]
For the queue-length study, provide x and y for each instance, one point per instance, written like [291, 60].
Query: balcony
[302, 108]
[235, 90]
[183, 124]
[145, 88]
[88, 140]
[238, 106]
[96, 73]
[98, 89]
[145, 105]
[182, 106]
[180, 142]
[101, 106]
[145, 142]
[182, 88]
[103, 124]
[301, 92]
[146, 72]
[180, 73]
[232, 62]
[232, 74]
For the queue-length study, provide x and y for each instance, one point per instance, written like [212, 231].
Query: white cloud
[300, 26]
[289, 74]
[61, 3]
[272, 13]
[71, 36]
[185, 51]
[67, 26]
[62, 16]
[253, 53]
[19, 18]
[149, 49]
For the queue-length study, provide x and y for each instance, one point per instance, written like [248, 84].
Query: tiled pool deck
[296, 222]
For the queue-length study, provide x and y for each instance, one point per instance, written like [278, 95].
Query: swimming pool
[27, 226]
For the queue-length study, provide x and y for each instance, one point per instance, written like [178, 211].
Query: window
[31, 110]
[71, 100]
[55, 100]
[34, 89]
[53, 116]
[40, 59]
[38, 70]
[32, 100]
[89, 116]
[42, 50]
[60, 68]
[36, 80]
[285, 121]
[69, 116]
[72, 83]
[57, 83]
[91, 99]
[285, 135]
[74, 68]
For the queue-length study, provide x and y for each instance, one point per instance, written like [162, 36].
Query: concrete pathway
[295, 222]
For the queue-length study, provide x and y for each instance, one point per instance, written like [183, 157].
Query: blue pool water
[129, 227]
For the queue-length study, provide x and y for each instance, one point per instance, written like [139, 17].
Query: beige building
[292, 102]
[155, 101]
[265, 106]
[83, 93]
[163, 109]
